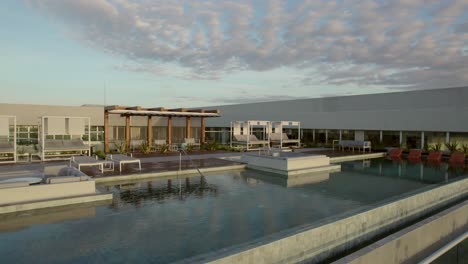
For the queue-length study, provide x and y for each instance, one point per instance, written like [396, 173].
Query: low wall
[286, 163]
[412, 244]
[317, 242]
[357, 157]
[45, 192]
[150, 175]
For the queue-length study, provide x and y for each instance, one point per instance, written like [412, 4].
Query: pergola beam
[128, 112]
[106, 131]
[150, 131]
[127, 132]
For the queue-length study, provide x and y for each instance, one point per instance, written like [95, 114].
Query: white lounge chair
[282, 138]
[123, 159]
[249, 141]
[7, 148]
[59, 146]
[192, 142]
[86, 161]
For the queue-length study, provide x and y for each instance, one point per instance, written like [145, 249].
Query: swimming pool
[166, 220]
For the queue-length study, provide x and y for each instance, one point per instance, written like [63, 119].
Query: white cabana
[281, 139]
[242, 134]
[7, 139]
[62, 136]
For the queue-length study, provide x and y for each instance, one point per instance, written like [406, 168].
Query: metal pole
[89, 136]
[14, 138]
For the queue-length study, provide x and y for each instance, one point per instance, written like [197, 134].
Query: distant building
[413, 119]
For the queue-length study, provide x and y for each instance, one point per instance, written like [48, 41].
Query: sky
[175, 53]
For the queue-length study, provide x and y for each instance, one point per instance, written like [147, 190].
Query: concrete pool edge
[330, 168]
[166, 174]
[416, 241]
[316, 243]
[58, 202]
[357, 157]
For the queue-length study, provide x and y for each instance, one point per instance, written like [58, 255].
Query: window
[26, 135]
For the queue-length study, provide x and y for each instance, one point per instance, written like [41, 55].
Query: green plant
[452, 147]
[435, 147]
[145, 148]
[121, 148]
[100, 154]
[211, 145]
[20, 151]
[189, 148]
[465, 149]
[163, 148]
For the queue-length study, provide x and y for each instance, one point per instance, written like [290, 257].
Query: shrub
[452, 147]
[465, 149]
[163, 148]
[121, 148]
[145, 148]
[435, 147]
[100, 154]
[211, 145]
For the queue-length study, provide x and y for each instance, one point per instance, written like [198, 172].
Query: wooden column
[150, 131]
[106, 131]
[127, 132]
[187, 127]
[169, 130]
[203, 128]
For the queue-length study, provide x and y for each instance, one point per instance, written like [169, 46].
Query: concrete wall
[45, 192]
[414, 243]
[29, 114]
[317, 242]
[429, 110]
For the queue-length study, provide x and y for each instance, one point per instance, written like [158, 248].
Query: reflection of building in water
[286, 181]
[14, 222]
[424, 172]
[137, 193]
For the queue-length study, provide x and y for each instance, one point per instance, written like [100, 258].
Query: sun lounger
[191, 142]
[61, 146]
[353, 144]
[123, 159]
[249, 141]
[7, 148]
[86, 161]
[282, 138]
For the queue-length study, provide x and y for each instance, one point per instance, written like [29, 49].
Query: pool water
[167, 220]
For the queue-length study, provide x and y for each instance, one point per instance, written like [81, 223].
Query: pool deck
[158, 165]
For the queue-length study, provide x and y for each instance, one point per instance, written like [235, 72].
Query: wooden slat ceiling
[160, 111]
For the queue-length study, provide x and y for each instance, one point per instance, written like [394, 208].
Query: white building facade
[414, 119]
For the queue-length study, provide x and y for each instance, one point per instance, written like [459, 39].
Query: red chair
[395, 153]
[435, 156]
[415, 155]
[457, 158]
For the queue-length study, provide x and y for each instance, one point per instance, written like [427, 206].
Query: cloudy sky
[209, 52]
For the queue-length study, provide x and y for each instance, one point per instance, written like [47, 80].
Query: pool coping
[298, 244]
[163, 174]
[58, 202]
[357, 157]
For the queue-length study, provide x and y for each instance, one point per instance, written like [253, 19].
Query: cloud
[410, 44]
[239, 99]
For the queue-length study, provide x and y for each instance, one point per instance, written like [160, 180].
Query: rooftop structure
[128, 112]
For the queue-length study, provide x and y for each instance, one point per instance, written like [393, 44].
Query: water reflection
[426, 172]
[160, 190]
[24, 220]
[257, 177]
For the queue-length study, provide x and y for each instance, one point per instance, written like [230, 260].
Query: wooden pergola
[128, 112]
